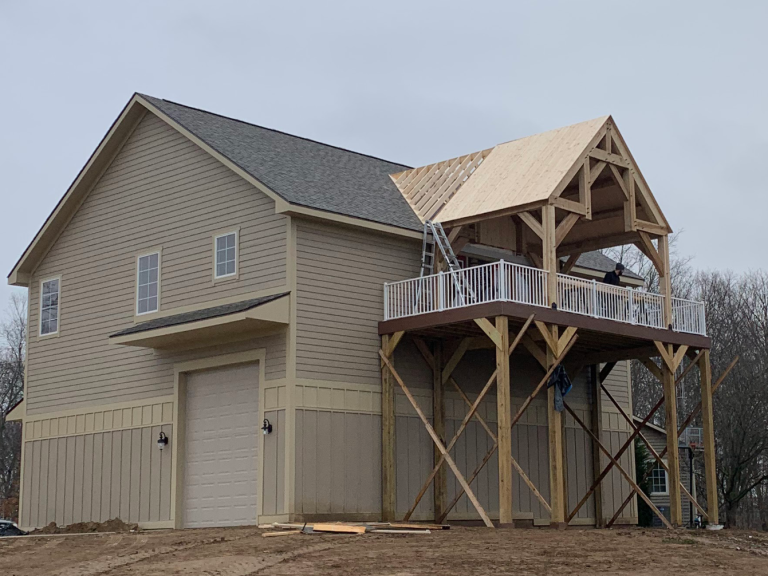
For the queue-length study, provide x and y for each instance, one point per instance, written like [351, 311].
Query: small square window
[226, 255]
[49, 306]
[147, 285]
[658, 480]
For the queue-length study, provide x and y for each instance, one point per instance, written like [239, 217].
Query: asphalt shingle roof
[196, 315]
[302, 171]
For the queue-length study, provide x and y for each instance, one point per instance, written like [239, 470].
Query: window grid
[659, 480]
[49, 307]
[148, 283]
[226, 255]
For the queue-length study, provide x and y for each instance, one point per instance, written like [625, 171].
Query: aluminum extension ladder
[439, 241]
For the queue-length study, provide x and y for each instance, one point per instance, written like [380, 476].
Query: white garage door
[223, 425]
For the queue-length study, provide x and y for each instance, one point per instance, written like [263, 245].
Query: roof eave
[99, 160]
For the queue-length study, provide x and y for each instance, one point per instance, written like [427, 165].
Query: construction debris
[292, 529]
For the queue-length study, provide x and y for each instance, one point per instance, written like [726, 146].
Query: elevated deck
[616, 323]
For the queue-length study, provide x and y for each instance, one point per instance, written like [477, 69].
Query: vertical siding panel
[61, 475]
[117, 460]
[299, 463]
[323, 474]
[134, 477]
[42, 492]
[88, 474]
[280, 468]
[154, 476]
[310, 462]
[107, 481]
[146, 453]
[26, 506]
[166, 462]
[69, 486]
[375, 443]
[338, 438]
[98, 472]
[53, 466]
[77, 500]
[269, 490]
[352, 469]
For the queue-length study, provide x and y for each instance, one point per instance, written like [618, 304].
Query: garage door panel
[222, 447]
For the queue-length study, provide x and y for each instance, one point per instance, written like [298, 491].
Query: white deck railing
[503, 281]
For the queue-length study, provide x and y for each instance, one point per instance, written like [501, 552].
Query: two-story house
[231, 325]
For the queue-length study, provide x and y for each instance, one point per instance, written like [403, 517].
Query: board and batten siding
[160, 192]
[97, 477]
[340, 276]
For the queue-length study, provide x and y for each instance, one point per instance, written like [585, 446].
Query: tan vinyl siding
[341, 274]
[618, 384]
[274, 465]
[164, 192]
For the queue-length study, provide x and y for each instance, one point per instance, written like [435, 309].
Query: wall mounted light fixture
[162, 440]
[266, 427]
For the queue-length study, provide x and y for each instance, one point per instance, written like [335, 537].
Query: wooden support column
[673, 453]
[549, 250]
[707, 418]
[388, 344]
[556, 462]
[504, 419]
[665, 281]
[438, 421]
[597, 428]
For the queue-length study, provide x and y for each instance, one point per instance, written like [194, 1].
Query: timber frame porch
[514, 330]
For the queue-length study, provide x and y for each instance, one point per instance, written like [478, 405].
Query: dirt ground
[243, 551]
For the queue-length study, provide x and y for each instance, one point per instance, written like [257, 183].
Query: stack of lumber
[290, 529]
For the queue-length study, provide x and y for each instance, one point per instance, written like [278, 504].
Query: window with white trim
[226, 255]
[658, 480]
[148, 284]
[49, 306]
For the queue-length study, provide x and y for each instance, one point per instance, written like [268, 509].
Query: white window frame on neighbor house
[58, 308]
[666, 480]
[233, 275]
[159, 253]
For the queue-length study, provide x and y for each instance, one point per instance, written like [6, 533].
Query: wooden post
[549, 251]
[556, 468]
[665, 282]
[438, 420]
[387, 437]
[597, 428]
[504, 419]
[707, 418]
[673, 453]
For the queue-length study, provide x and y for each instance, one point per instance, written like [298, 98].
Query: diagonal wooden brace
[485, 460]
[651, 449]
[438, 442]
[615, 462]
[453, 441]
[684, 425]
[628, 442]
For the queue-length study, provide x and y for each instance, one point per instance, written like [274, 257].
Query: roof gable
[301, 171]
[523, 174]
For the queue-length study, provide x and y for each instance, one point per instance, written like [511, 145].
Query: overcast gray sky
[413, 82]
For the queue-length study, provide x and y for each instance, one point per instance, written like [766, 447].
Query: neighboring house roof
[602, 263]
[302, 171]
[204, 314]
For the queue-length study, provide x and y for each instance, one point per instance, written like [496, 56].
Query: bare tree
[13, 344]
